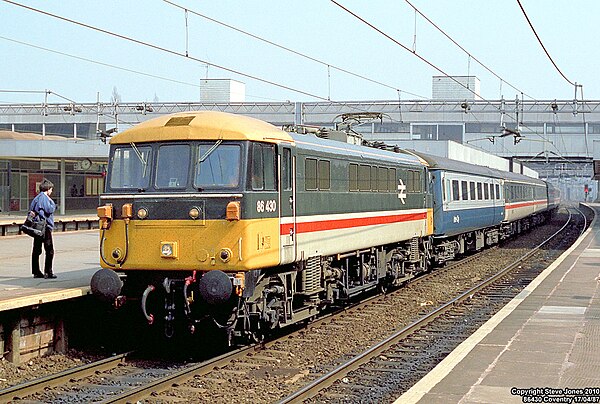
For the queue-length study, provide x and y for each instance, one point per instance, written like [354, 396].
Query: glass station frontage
[76, 168]
[20, 179]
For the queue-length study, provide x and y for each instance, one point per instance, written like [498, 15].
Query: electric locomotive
[209, 216]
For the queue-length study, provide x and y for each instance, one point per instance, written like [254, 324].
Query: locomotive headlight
[117, 253]
[194, 213]
[142, 213]
[225, 254]
[168, 249]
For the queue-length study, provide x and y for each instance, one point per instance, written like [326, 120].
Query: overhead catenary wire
[287, 49]
[399, 44]
[172, 52]
[112, 66]
[425, 61]
[464, 50]
[542, 45]
[47, 92]
[166, 50]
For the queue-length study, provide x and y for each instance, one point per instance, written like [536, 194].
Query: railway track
[407, 355]
[274, 359]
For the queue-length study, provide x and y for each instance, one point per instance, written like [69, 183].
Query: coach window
[414, 181]
[263, 167]
[324, 175]
[464, 187]
[286, 169]
[382, 177]
[364, 178]
[455, 190]
[486, 191]
[498, 191]
[392, 183]
[173, 166]
[479, 191]
[472, 195]
[353, 177]
[373, 178]
[310, 173]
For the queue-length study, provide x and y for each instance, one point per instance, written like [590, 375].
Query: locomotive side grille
[311, 276]
[414, 249]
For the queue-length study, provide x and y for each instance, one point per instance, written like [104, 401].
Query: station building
[76, 166]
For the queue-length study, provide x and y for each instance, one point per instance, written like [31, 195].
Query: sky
[41, 53]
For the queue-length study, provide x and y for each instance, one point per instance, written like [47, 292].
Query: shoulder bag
[34, 225]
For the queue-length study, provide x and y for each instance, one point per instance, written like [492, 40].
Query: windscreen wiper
[209, 151]
[140, 156]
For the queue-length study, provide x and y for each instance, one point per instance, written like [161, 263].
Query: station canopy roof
[15, 145]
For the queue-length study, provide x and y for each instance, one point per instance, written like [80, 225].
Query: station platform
[76, 259]
[543, 347]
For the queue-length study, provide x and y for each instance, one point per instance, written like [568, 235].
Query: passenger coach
[475, 206]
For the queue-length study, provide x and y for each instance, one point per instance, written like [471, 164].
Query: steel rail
[325, 381]
[34, 386]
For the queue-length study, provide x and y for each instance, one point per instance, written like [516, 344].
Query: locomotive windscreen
[219, 167]
[130, 167]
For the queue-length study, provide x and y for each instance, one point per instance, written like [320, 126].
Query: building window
[425, 132]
